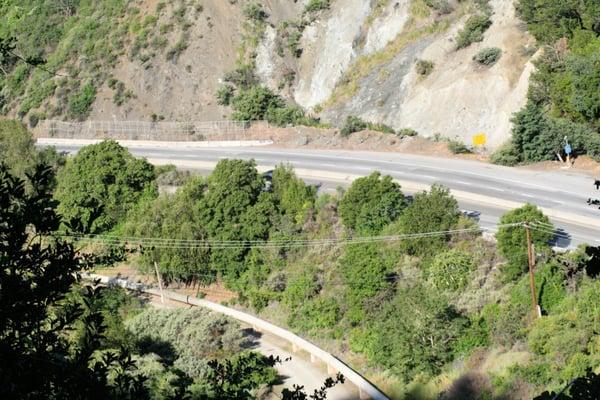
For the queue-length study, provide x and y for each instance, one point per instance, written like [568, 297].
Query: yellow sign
[479, 139]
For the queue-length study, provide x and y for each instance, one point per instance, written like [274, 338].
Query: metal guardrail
[366, 389]
[142, 130]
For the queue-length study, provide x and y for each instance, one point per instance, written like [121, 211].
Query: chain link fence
[144, 130]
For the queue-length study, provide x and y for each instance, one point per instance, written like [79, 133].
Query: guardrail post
[313, 359]
[331, 370]
[294, 348]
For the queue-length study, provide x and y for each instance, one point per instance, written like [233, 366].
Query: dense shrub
[80, 103]
[458, 147]
[293, 197]
[424, 67]
[299, 289]
[225, 94]
[254, 103]
[170, 216]
[366, 270]
[17, 147]
[473, 31]
[242, 77]
[431, 211]
[100, 184]
[441, 6]
[189, 337]
[316, 5]
[506, 155]
[407, 132]
[450, 270]
[316, 314]
[488, 56]
[512, 240]
[353, 124]
[254, 11]
[371, 203]
[418, 342]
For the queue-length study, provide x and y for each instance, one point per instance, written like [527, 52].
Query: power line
[172, 243]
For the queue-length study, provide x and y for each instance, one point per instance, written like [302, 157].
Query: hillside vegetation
[449, 313]
[564, 95]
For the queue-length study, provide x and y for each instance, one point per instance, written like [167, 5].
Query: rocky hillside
[403, 63]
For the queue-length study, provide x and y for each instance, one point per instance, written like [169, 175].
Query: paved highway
[484, 188]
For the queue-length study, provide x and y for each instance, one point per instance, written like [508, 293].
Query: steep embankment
[166, 60]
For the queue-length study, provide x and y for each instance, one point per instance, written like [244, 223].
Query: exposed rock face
[365, 50]
[329, 49]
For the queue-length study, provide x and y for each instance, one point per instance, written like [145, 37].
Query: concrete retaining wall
[366, 389]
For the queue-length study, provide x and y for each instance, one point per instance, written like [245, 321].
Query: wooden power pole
[531, 262]
[160, 286]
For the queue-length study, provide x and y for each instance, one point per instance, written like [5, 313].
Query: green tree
[367, 271]
[37, 271]
[371, 203]
[235, 207]
[101, 184]
[549, 20]
[512, 240]
[412, 334]
[17, 147]
[253, 104]
[173, 217]
[433, 211]
[292, 195]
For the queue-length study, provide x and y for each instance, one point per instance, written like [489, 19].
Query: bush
[284, 116]
[507, 155]
[383, 128]
[252, 104]
[512, 241]
[450, 270]
[412, 334]
[17, 148]
[488, 56]
[407, 132]
[457, 147]
[255, 12]
[365, 268]
[189, 337]
[242, 77]
[441, 6]
[473, 31]
[224, 95]
[371, 203]
[316, 314]
[80, 103]
[424, 67]
[316, 5]
[431, 211]
[353, 124]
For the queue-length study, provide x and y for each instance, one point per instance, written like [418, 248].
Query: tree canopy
[371, 203]
[512, 240]
[100, 184]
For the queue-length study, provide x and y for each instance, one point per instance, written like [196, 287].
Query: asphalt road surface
[560, 191]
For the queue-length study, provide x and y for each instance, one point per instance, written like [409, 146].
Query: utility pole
[531, 262]
[160, 286]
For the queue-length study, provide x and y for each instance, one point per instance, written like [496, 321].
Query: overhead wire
[172, 243]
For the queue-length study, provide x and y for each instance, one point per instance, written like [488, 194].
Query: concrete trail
[296, 368]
